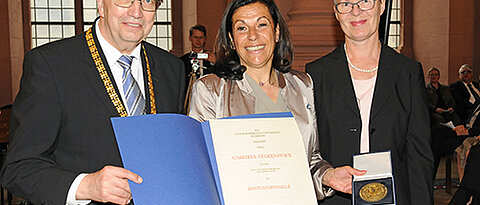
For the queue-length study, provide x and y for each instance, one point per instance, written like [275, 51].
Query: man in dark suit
[466, 92]
[197, 38]
[196, 64]
[62, 147]
[442, 110]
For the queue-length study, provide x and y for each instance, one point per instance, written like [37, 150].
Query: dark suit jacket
[444, 93]
[188, 65]
[461, 96]
[61, 117]
[399, 121]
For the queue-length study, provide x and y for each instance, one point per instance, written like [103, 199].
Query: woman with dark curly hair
[252, 75]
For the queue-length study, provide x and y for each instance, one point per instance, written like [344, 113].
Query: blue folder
[171, 153]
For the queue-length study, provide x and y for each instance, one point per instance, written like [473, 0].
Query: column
[314, 29]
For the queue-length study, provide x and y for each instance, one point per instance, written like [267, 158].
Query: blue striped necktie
[134, 101]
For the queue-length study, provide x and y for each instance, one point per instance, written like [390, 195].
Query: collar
[466, 84]
[202, 51]
[111, 53]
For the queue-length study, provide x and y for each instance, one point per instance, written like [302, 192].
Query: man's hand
[110, 184]
[439, 110]
[340, 178]
[460, 130]
[450, 110]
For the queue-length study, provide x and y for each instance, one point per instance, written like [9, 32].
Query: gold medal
[373, 192]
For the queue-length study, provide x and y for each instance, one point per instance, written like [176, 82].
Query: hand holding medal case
[377, 185]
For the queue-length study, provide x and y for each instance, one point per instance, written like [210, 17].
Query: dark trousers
[444, 141]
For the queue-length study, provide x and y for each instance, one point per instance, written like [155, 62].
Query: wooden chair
[448, 173]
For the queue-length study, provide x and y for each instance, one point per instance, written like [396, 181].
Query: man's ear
[100, 7]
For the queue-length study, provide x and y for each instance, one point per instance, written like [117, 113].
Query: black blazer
[399, 121]
[61, 117]
[433, 95]
[461, 96]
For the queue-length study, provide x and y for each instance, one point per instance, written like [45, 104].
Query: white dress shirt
[472, 98]
[112, 55]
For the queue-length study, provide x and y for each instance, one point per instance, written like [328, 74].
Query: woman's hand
[340, 178]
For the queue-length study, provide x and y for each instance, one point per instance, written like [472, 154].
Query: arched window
[55, 19]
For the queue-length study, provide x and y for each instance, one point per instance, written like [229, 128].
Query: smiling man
[465, 92]
[62, 145]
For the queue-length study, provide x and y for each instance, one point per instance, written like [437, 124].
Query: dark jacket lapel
[386, 79]
[341, 78]
[151, 63]
[92, 74]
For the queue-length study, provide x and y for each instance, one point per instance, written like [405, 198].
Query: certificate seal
[373, 192]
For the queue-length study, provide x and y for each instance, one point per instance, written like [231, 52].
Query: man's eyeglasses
[466, 71]
[434, 74]
[345, 7]
[147, 5]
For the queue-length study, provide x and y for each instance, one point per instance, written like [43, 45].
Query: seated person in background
[445, 140]
[473, 126]
[440, 100]
[465, 92]
[469, 190]
[473, 131]
[441, 106]
[462, 153]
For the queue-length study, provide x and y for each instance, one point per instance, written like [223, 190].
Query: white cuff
[72, 192]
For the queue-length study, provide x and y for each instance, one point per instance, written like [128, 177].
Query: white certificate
[262, 161]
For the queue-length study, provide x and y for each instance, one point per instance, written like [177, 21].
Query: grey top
[263, 103]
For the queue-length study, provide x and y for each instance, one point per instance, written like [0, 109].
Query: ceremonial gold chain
[108, 83]
[153, 108]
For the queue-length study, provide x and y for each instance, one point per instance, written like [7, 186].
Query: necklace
[108, 83]
[355, 67]
[263, 83]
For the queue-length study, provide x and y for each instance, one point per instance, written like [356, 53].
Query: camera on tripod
[197, 65]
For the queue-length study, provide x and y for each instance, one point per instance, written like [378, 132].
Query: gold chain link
[108, 83]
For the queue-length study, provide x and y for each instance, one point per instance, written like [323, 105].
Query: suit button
[353, 129]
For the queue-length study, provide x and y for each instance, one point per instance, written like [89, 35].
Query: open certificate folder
[252, 159]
